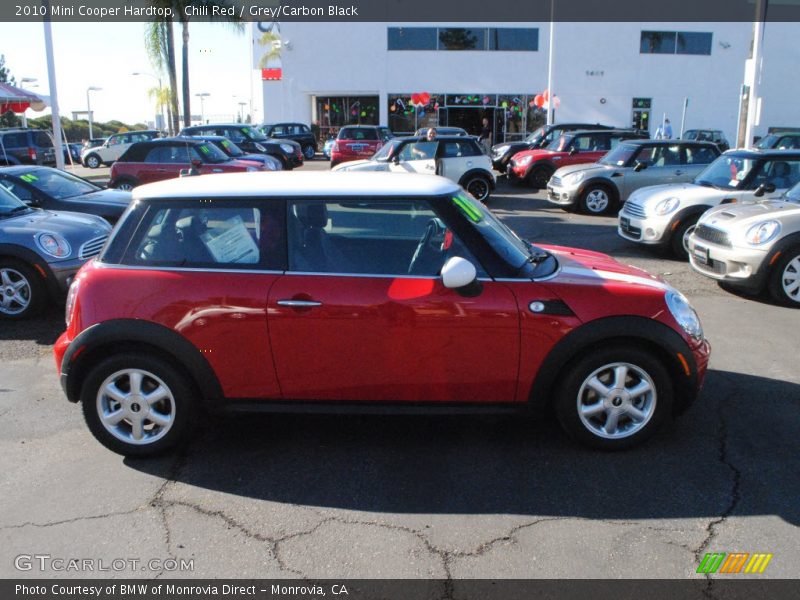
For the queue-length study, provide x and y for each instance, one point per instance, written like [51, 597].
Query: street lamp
[241, 111]
[89, 106]
[159, 106]
[23, 81]
[202, 96]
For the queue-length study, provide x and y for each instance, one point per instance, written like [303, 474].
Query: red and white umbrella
[18, 100]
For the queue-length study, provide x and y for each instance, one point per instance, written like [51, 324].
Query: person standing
[664, 131]
[485, 138]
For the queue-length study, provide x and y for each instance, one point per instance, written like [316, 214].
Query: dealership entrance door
[470, 118]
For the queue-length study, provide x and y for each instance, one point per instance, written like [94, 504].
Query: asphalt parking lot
[424, 497]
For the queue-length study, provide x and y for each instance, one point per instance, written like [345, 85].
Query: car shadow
[734, 452]
[44, 329]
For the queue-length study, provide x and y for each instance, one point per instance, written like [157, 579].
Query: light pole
[159, 106]
[202, 96]
[241, 111]
[23, 81]
[89, 106]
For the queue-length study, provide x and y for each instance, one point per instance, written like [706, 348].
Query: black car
[780, 140]
[298, 132]
[251, 140]
[51, 189]
[501, 153]
[715, 136]
[26, 147]
[229, 148]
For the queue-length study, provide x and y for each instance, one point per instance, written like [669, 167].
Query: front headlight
[501, 150]
[763, 232]
[251, 169]
[287, 148]
[525, 160]
[667, 206]
[684, 314]
[69, 309]
[574, 178]
[53, 244]
[260, 148]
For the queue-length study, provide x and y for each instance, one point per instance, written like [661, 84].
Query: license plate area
[700, 254]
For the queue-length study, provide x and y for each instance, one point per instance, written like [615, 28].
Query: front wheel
[539, 177]
[93, 161]
[784, 279]
[137, 405]
[479, 187]
[680, 238]
[21, 290]
[596, 200]
[309, 152]
[614, 398]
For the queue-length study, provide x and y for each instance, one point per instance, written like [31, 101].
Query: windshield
[767, 141]
[793, 195]
[558, 144]
[253, 133]
[620, 155]
[726, 173]
[535, 136]
[58, 184]
[504, 241]
[385, 151]
[230, 148]
[211, 153]
[690, 135]
[10, 204]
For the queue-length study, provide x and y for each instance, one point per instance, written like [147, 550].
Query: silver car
[665, 215]
[603, 186]
[752, 246]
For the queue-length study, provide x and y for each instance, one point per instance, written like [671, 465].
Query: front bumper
[61, 274]
[561, 195]
[745, 268]
[517, 173]
[653, 231]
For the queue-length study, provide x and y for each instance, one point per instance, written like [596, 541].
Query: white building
[616, 73]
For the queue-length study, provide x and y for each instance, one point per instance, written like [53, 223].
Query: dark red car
[362, 292]
[535, 167]
[357, 142]
[155, 160]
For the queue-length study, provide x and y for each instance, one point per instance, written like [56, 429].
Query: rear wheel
[93, 161]
[479, 187]
[137, 405]
[309, 151]
[539, 176]
[614, 398]
[125, 184]
[596, 200]
[784, 279]
[21, 290]
[680, 237]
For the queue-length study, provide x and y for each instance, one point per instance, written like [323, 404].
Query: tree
[162, 97]
[457, 38]
[160, 45]
[9, 119]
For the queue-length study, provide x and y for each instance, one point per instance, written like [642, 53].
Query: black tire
[17, 277]
[539, 176]
[124, 184]
[309, 152]
[677, 242]
[92, 161]
[284, 163]
[479, 187]
[181, 403]
[783, 276]
[596, 199]
[658, 406]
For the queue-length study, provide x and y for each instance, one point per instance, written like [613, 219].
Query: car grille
[92, 247]
[634, 232]
[634, 210]
[555, 181]
[710, 234]
[717, 267]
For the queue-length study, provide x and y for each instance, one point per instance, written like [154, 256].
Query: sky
[106, 54]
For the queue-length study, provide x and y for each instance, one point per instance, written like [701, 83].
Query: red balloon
[539, 100]
[414, 98]
[425, 98]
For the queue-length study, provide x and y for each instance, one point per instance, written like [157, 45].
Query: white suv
[114, 147]
[458, 158]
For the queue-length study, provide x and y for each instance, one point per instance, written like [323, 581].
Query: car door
[123, 142]
[156, 165]
[661, 164]
[362, 314]
[694, 159]
[456, 157]
[780, 173]
[416, 157]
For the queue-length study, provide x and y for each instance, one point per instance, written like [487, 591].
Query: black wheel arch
[477, 172]
[600, 181]
[120, 335]
[686, 213]
[653, 336]
[541, 164]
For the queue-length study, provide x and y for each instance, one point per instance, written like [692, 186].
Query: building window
[675, 42]
[412, 38]
[462, 38]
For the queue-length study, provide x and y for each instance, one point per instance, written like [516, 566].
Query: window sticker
[29, 177]
[204, 149]
[231, 243]
[472, 213]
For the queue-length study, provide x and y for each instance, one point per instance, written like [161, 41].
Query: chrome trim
[102, 265]
[299, 303]
[92, 248]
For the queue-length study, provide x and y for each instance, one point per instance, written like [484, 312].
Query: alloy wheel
[597, 201]
[15, 292]
[790, 279]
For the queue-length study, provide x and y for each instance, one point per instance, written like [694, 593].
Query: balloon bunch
[543, 100]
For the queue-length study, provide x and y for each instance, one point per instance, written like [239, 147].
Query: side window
[159, 154]
[393, 238]
[666, 156]
[419, 151]
[278, 130]
[780, 173]
[699, 155]
[582, 143]
[230, 236]
[179, 154]
[114, 140]
[600, 143]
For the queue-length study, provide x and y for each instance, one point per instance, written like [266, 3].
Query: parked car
[72, 153]
[40, 252]
[269, 163]
[93, 143]
[252, 141]
[460, 159]
[114, 147]
[503, 152]
[782, 140]
[297, 132]
[359, 291]
[714, 136]
[602, 187]
[442, 131]
[26, 147]
[535, 167]
[326, 149]
[51, 189]
[356, 142]
[165, 158]
[665, 215]
[752, 246]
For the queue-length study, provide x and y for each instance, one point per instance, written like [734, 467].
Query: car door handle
[299, 303]
[678, 172]
[430, 167]
[216, 170]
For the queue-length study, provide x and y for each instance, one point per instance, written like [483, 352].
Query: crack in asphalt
[72, 520]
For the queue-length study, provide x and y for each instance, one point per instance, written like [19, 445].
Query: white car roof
[289, 183]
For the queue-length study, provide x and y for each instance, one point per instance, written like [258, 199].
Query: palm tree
[160, 46]
[163, 98]
[272, 41]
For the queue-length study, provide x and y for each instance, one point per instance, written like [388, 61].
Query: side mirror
[573, 151]
[459, 274]
[396, 159]
[639, 166]
[764, 188]
[196, 163]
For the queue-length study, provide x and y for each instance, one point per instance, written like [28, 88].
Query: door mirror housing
[639, 166]
[461, 275]
[573, 151]
[764, 188]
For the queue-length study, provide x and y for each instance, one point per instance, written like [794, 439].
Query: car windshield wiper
[704, 183]
[15, 210]
[536, 255]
